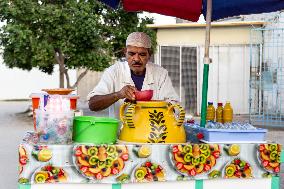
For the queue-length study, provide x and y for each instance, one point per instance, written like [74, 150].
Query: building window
[181, 63]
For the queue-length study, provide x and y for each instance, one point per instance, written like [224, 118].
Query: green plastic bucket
[97, 130]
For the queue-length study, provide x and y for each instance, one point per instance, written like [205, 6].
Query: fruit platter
[23, 158]
[238, 168]
[191, 160]
[49, 174]
[149, 172]
[98, 162]
[269, 157]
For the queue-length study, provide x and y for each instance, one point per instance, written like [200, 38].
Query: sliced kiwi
[111, 149]
[202, 159]
[206, 153]
[273, 147]
[195, 161]
[101, 164]
[40, 178]
[113, 156]
[214, 174]
[55, 170]
[109, 162]
[187, 157]
[278, 160]
[92, 151]
[204, 148]
[230, 170]
[93, 160]
[123, 178]
[23, 180]
[187, 149]
[273, 155]
[242, 164]
[139, 174]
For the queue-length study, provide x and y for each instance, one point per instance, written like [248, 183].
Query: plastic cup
[73, 103]
[35, 104]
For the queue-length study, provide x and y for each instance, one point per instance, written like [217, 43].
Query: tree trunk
[60, 60]
[64, 72]
[79, 78]
[67, 78]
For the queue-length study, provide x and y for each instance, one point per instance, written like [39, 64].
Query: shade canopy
[228, 8]
[191, 9]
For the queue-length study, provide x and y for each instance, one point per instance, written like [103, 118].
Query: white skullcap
[138, 39]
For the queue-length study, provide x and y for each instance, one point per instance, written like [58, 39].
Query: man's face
[137, 58]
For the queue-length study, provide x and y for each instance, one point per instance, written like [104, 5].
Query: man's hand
[101, 102]
[127, 92]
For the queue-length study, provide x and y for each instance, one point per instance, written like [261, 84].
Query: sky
[161, 19]
[19, 84]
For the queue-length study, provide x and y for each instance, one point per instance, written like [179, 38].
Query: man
[121, 80]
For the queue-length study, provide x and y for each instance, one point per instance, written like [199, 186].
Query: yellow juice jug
[227, 113]
[152, 122]
[210, 115]
[219, 113]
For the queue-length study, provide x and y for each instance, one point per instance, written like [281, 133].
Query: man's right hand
[127, 92]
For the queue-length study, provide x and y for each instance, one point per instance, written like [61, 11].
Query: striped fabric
[185, 9]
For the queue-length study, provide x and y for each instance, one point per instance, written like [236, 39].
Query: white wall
[193, 35]
[19, 84]
[228, 78]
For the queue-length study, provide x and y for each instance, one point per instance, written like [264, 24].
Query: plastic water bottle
[210, 116]
[227, 113]
[210, 125]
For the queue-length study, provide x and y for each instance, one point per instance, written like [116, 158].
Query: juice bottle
[210, 116]
[227, 113]
[219, 113]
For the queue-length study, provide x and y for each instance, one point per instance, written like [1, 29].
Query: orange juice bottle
[227, 113]
[210, 116]
[219, 113]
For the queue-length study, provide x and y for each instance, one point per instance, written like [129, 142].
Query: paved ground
[13, 125]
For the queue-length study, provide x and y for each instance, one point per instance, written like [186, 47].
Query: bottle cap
[220, 104]
[210, 103]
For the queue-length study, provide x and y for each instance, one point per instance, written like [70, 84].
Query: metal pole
[206, 62]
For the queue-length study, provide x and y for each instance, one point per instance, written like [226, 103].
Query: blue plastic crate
[219, 135]
[230, 135]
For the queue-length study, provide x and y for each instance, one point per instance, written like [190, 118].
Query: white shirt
[118, 75]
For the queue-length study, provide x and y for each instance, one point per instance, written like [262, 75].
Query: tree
[71, 33]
